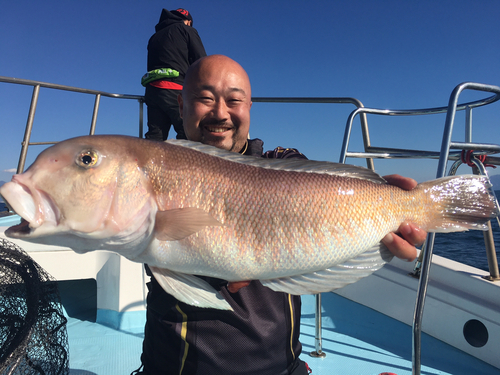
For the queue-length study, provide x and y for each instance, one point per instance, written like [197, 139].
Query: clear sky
[387, 54]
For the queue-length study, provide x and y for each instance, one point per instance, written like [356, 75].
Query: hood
[166, 19]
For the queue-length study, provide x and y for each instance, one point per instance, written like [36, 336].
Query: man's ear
[181, 104]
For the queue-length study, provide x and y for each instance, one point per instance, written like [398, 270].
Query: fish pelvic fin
[190, 289]
[466, 202]
[176, 224]
[334, 277]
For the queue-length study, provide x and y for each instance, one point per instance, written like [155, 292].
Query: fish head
[85, 193]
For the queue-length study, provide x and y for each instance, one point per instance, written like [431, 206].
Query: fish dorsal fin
[176, 224]
[335, 277]
[189, 289]
[291, 164]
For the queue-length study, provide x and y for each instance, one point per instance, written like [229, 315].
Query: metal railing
[34, 101]
[444, 155]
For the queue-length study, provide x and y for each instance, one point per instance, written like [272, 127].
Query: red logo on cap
[183, 11]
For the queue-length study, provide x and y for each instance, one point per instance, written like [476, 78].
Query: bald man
[261, 335]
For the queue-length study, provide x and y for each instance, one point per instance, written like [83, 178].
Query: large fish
[189, 209]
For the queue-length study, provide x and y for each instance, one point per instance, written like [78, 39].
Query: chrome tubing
[28, 82]
[318, 342]
[412, 112]
[29, 127]
[427, 259]
[450, 117]
[444, 155]
[419, 304]
[94, 114]
[36, 91]
[141, 118]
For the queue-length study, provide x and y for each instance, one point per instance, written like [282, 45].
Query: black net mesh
[33, 337]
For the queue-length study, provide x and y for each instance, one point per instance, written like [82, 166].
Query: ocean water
[465, 247]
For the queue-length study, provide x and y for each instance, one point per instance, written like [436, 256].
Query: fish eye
[87, 159]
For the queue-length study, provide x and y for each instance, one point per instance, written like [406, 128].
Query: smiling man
[215, 103]
[261, 334]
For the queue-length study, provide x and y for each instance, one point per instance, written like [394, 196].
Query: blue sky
[387, 54]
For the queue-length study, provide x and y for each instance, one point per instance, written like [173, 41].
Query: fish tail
[465, 202]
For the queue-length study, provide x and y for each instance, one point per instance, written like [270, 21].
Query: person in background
[171, 50]
[261, 335]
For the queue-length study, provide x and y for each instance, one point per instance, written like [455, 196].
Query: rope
[467, 155]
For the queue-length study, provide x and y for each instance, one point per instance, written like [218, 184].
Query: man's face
[215, 105]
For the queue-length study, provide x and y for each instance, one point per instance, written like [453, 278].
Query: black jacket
[174, 45]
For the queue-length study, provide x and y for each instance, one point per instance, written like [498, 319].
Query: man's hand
[235, 286]
[404, 247]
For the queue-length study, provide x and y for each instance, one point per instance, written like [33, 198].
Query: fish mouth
[35, 208]
[20, 230]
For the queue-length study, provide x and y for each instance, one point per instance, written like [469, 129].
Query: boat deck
[356, 340]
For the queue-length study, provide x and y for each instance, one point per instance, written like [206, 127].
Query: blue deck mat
[356, 340]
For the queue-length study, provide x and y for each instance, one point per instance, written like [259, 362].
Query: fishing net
[33, 337]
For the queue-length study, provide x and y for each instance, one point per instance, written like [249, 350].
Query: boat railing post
[491, 254]
[29, 127]
[468, 124]
[347, 134]
[318, 344]
[94, 114]
[419, 304]
[366, 139]
[141, 118]
[427, 258]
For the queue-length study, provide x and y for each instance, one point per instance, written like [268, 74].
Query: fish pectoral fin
[334, 277]
[189, 289]
[176, 224]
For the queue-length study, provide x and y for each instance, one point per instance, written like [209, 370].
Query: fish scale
[185, 209]
[273, 230]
